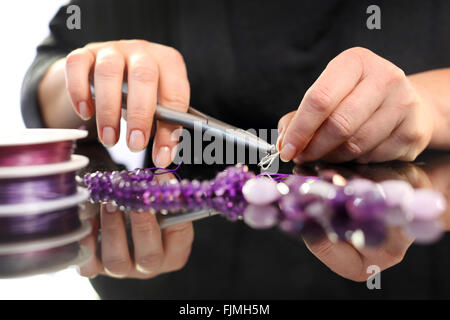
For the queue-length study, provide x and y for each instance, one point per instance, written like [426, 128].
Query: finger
[174, 93]
[93, 266]
[115, 253]
[143, 75]
[348, 117]
[78, 65]
[371, 134]
[337, 80]
[177, 246]
[341, 257]
[282, 125]
[148, 247]
[390, 253]
[108, 78]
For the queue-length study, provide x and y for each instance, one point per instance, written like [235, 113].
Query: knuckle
[395, 74]
[75, 88]
[143, 226]
[360, 51]
[140, 116]
[110, 65]
[340, 126]
[176, 99]
[358, 54]
[174, 55]
[322, 248]
[409, 136]
[74, 58]
[183, 231]
[318, 100]
[144, 72]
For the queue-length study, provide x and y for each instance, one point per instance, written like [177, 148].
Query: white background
[23, 24]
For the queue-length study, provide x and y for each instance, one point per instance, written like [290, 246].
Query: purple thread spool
[38, 146]
[32, 184]
[35, 189]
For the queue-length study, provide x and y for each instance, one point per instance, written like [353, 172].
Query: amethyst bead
[261, 191]
[426, 204]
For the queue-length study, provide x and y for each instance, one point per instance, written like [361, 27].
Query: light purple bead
[397, 192]
[425, 232]
[261, 217]
[261, 191]
[359, 186]
[426, 204]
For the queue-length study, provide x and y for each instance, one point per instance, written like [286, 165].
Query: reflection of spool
[40, 226]
[51, 254]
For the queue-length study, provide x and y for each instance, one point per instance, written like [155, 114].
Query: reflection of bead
[261, 217]
[138, 187]
[426, 204]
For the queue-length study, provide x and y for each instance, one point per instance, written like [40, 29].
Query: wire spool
[38, 146]
[33, 184]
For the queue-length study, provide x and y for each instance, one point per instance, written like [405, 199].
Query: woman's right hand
[155, 73]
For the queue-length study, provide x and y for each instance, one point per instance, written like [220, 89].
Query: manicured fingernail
[136, 141]
[163, 157]
[108, 136]
[298, 159]
[143, 269]
[288, 152]
[110, 207]
[84, 110]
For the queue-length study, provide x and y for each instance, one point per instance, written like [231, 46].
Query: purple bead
[261, 217]
[261, 191]
[425, 231]
[426, 204]
[367, 200]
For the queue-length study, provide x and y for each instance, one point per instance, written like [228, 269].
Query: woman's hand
[154, 73]
[363, 108]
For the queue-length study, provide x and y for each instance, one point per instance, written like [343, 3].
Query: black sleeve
[101, 20]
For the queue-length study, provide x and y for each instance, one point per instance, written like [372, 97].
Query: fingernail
[143, 269]
[108, 136]
[84, 110]
[163, 157]
[279, 140]
[136, 141]
[288, 152]
[110, 207]
[298, 159]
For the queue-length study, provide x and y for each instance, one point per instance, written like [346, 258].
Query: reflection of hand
[351, 262]
[152, 252]
[361, 107]
[344, 258]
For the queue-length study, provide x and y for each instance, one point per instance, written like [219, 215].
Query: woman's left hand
[363, 108]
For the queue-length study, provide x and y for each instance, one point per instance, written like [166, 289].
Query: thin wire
[267, 161]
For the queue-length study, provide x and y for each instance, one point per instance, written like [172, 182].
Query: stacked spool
[40, 227]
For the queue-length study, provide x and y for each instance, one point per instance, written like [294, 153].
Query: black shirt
[250, 62]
